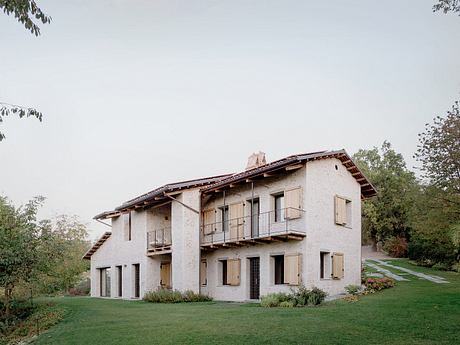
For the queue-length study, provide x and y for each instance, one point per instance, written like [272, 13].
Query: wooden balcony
[159, 242]
[275, 226]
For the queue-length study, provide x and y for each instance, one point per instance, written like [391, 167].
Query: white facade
[198, 262]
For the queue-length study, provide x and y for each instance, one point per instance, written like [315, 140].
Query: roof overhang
[292, 163]
[96, 245]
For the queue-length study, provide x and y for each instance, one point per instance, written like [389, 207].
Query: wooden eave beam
[294, 167]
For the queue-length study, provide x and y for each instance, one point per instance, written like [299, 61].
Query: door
[137, 281]
[255, 218]
[165, 275]
[254, 278]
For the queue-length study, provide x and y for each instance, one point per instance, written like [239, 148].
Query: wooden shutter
[165, 275]
[236, 221]
[209, 221]
[126, 226]
[233, 272]
[340, 210]
[204, 273]
[337, 266]
[292, 269]
[292, 202]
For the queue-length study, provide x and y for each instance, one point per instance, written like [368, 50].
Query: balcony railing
[287, 223]
[159, 241]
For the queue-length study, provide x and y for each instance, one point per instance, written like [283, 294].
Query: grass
[414, 312]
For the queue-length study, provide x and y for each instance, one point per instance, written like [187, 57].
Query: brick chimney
[256, 160]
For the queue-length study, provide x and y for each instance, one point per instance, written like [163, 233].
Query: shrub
[174, 296]
[298, 297]
[274, 299]
[396, 247]
[287, 304]
[316, 296]
[428, 252]
[352, 289]
[377, 284]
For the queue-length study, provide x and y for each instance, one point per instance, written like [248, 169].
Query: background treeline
[37, 257]
[415, 216]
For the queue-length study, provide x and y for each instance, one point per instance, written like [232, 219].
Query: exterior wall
[324, 181]
[186, 242]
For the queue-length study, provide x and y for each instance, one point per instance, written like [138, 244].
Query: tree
[25, 11]
[387, 214]
[447, 6]
[7, 109]
[439, 151]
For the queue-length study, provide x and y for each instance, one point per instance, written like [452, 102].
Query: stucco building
[237, 237]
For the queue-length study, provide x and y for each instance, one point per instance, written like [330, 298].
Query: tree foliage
[439, 151]
[26, 11]
[38, 254]
[7, 109]
[387, 214]
[447, 6]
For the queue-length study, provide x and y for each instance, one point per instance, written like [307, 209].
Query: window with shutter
[292, 269]
[293, 199]
[233, 272]
[237, 221]
[337, 266]
[209, 220]
[340, 210]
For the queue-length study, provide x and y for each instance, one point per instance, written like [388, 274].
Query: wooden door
[254, 278]
[165, 275]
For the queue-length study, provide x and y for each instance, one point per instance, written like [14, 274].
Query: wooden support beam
[268, 175]
[294, 167]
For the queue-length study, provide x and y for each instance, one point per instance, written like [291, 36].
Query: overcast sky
[136, 94]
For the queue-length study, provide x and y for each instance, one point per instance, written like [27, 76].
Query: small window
[279, 207]
[224, 272]
[278, 269]
[127, 226]
[224, 218]
[324, 268]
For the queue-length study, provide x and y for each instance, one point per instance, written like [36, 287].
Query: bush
[396, 247]
[287, 304]
[174, 296]
[274, 299]
[299, 297]
[352, 289]
[428, 252]
[377, 284]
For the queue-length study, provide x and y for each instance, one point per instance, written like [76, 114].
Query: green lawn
[414, 312]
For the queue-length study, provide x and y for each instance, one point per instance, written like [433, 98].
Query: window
[105, 281]
[127, 226]
[224, 218]
[343, 211]
[137, 283]
[204, 273]
[224, 272]
[279, 269]
[120, 281]
[231, 272]
[324, 265]
[279, 207]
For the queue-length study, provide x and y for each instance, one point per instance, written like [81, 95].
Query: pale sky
[136, 94]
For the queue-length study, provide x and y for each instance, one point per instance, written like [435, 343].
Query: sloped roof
[367, 189]
[96, 245]
[151, 197]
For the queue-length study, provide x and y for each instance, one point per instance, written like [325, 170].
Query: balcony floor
[152, 251]
[250, 241]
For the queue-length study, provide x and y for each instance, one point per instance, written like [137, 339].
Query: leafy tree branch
[25, 11]
[7, 109]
